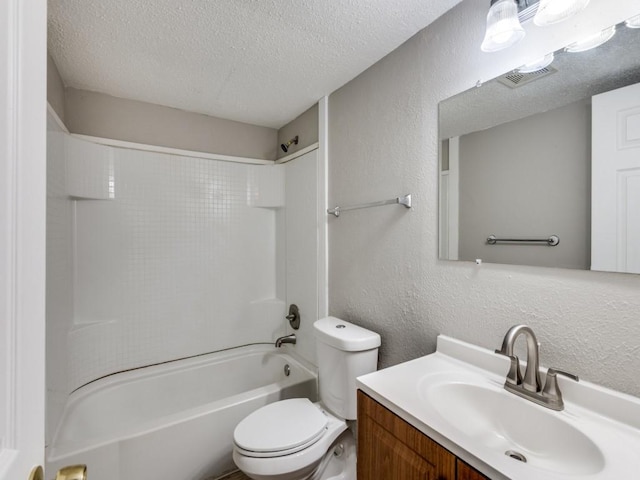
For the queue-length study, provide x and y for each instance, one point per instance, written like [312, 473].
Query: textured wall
[305, 126]
[100, 115]
[384, 270]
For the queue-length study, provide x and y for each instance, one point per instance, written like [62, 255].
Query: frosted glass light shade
[633, 22]
[538, 64]
[592, 41]
[554, 11]
[503, 26]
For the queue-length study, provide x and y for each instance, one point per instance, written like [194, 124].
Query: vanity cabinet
[391, 449]
[465, 472]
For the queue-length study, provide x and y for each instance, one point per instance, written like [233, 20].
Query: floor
[235, 476]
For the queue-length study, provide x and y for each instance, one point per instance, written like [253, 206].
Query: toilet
[296, 439]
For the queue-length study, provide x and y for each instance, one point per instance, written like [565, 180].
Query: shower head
[285, 146]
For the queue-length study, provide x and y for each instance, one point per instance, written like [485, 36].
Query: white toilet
[298, 440]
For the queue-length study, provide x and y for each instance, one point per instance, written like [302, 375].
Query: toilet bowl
[265, 448]
[296, 439]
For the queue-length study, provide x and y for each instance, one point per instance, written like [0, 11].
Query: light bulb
[503, 26]
[554, 11]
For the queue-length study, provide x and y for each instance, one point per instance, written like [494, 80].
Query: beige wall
[530, 178]
[55, 88]
[384, 271]
[305, 126]
[100, 115]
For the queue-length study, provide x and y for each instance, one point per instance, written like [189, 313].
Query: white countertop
[607, 420]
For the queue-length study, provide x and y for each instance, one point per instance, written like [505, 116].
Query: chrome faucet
[286, 339]
[530, 386]
[531, 380]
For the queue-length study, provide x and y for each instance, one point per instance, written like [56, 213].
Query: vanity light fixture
[503, 26]
[592, 41]
[505, 19]
[633, 22]
[538, 64]
[554, 11]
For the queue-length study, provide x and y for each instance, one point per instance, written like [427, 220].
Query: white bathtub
[173, 421]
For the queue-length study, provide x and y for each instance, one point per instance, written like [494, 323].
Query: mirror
[532, 159]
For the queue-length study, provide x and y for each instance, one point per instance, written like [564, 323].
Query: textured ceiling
[580, 75]
[257, 61]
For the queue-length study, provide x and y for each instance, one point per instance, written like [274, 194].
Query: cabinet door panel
[387, 458]
[391, 449]
[465, 472]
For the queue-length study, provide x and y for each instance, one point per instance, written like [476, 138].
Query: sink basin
[509, 425]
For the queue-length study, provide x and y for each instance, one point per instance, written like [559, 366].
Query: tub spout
[286, 339]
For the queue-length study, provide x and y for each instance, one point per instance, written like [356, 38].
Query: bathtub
[173, 421]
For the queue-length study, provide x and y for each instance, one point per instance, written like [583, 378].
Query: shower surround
[176, 264]
[155, 257]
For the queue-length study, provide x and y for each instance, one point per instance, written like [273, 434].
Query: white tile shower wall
[266, 186]
[267, 190]
[59, 300]
[89, 169]
[302, 247]
[176, 265]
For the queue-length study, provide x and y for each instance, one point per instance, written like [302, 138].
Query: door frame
[23, 80]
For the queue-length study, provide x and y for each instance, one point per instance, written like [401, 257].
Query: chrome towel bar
[404, 200]
[552, 241]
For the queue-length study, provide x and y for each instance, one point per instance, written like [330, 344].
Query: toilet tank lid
[345, 336]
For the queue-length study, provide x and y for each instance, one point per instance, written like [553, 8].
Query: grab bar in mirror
[552, 241]
[404, 200]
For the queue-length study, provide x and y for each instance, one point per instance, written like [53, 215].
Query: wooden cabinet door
[384, 457]
[391, 449]
[465, 472]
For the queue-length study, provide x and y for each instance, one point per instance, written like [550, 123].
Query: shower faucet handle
[294, 316]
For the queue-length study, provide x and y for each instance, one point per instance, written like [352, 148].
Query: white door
[615, 211]
[22, 235]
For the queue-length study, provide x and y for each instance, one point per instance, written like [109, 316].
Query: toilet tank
[345, 351]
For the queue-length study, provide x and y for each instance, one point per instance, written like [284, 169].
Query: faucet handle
[555, 371]
[551, 388]
[514, 376]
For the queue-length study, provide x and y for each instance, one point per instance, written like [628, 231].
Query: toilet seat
[291, 466]
[280, 428]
